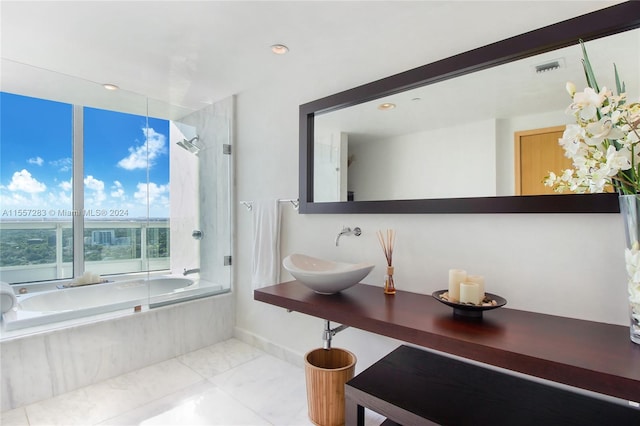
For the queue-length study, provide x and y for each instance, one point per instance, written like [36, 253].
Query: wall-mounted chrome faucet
[348, 231]
[190, 271]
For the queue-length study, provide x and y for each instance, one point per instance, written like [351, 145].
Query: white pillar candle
[456, 276]
[478, 279]
[469, 293]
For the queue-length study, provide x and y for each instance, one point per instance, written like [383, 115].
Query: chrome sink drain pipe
[328, 333]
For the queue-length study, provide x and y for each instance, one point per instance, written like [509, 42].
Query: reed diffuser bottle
[387, 248]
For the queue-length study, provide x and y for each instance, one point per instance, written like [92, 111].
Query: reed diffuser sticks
[387, 248]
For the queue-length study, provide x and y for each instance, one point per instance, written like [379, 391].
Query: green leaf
[588, 70]
[620, 88]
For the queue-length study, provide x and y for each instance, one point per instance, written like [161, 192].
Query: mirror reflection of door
[537, 153]
[330, 167]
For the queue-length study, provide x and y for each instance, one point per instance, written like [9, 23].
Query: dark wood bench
[415, 387]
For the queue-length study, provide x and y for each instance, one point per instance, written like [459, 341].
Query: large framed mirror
[378, 148]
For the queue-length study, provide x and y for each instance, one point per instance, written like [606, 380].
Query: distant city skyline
[36, 161]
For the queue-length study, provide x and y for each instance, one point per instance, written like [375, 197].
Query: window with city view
[125, 166]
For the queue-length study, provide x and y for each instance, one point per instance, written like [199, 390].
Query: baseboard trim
[284, 353]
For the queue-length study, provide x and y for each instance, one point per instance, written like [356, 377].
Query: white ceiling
[503, 92]
[191, 53]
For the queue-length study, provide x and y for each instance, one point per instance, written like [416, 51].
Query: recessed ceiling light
[110, 86]
[387, 105]
[279, 49]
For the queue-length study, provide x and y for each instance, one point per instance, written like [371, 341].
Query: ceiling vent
[549, 66]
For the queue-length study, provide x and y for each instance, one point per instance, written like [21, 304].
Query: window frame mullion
[78, 190]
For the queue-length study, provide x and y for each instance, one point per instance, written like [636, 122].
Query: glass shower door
[200, 202]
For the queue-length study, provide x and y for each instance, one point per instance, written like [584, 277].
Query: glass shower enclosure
[108, 199]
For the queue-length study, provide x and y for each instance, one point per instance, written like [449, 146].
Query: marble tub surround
[230, 382]
[44, 365]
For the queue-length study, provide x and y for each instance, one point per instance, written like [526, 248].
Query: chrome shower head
[190, 145]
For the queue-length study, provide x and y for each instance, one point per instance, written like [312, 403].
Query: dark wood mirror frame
[604, 22]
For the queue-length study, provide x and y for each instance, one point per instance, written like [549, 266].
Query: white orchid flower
[578, 186]
[634, 292]
[598, 179]
[581, 166]
[603, 142]
[571, 138]
[633, 114]
[567, 175]
[550, 180]
[573, 131]
[632, 261]
[616, 116]
[601, 130]
[632, 138]
[588, 102]
[617, 160]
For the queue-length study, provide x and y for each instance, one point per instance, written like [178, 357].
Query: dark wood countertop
[585, 354]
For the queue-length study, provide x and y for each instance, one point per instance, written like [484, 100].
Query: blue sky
[35, 159]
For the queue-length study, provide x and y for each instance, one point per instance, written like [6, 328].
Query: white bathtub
[52, 306]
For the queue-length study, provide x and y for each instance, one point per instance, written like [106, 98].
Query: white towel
[265, 269]
[7, 297]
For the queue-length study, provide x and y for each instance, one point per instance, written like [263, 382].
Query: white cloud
[23, 181]
[37, 160]
[61, 200]
[117, 191]
[95, 198]
[63, 164]
[14, 199]
[153, 147]
[93, 183]
[158, 194]
[66, 185]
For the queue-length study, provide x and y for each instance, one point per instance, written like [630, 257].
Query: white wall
[432, 164]
[562, 264]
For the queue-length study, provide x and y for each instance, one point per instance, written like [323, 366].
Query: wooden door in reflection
[536, 154]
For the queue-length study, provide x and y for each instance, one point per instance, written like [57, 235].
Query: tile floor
[229, 383]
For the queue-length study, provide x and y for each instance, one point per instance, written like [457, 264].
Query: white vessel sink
[325, 276]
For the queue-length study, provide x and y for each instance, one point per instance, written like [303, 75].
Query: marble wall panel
[44, 365]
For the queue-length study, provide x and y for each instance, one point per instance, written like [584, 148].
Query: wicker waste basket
[326, 372]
